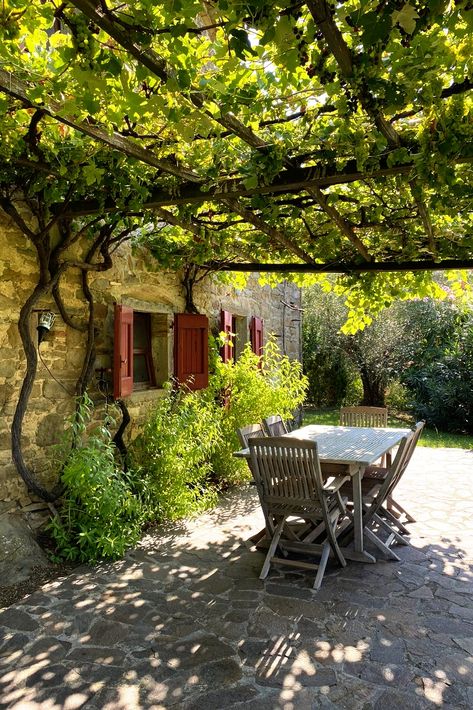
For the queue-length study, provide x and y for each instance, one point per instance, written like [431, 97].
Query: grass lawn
[430, 437]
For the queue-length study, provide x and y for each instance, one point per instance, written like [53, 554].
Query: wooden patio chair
[367, 417]
[296, 502]
[247, 432]
[377, 485]
[393, 511]
[275, 425]
[244, 434]
[364, 416]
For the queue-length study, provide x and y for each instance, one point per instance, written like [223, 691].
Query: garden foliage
[417, 355]
[252, 390]
[172, 456]
[100, 516]
[439, 376]
[179, 462]
[185, 451]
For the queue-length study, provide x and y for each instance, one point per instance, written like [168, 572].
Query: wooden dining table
[348, 451]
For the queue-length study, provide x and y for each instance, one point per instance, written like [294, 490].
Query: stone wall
[133, 281]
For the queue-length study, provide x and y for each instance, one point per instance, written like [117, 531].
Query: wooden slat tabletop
[347, 445]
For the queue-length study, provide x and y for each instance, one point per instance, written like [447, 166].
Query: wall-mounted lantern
[45, 323]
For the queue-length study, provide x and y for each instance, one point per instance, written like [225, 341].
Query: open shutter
[226, 322]
[123, 352]
[256, 335]
[191, 350]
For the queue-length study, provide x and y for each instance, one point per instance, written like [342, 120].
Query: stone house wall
[133, 281]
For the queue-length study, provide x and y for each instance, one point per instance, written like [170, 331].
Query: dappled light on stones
[183, 621]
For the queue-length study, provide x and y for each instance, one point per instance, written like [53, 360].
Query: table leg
[358, 554]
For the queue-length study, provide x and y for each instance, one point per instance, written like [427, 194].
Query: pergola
[291, 137]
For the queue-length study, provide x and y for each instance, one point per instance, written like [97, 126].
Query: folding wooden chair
[367, 417]
[378, 484]
[364, 416]
[244, 434]
[275, 425]
[296, 502]
[393, 511]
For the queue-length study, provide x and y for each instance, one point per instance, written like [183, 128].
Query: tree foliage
[334, 360]
[317, 132]
[439, 371]
[424, 347]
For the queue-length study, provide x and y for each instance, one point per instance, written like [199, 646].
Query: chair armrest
[333, 491]
[335, 485]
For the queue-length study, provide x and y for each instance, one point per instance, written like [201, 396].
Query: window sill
[146, 395]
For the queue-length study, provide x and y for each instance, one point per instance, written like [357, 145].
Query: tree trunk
[373, 390]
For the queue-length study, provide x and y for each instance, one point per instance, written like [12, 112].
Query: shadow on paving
[185, 622]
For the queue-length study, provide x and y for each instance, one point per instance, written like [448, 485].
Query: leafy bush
[184, 454]
[179, 462]
[253, 390]
[172, 456]
[99, 516]
[440, 376]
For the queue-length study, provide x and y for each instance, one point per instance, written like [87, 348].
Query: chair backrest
[364, 416]
[246, 432]
[412, 440]
[275, 425]
[392, 476]
[287, 473]
[396, 470]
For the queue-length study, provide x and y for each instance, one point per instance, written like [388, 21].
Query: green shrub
[439, 376]
[99, 516]
[397, 396]
[172, 456]
[179, 462]
[185, 453]
[250, 393]
[442, 393]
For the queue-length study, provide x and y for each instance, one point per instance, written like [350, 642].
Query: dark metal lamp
[45, 323]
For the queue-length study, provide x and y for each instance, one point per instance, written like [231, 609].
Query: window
[240, 332]
[143, 370]
[143, 355]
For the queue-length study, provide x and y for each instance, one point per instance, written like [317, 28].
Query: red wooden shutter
[191, 350]
[226, 351]
[256, 335]
[123, 352]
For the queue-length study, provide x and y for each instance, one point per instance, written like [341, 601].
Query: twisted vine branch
[52, 266]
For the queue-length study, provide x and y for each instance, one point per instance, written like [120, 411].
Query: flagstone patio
[184, 622]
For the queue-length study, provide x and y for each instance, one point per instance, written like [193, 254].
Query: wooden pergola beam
[12, 86]
[345, 268]
[290, 181]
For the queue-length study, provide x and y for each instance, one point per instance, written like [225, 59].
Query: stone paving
[184, 622]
